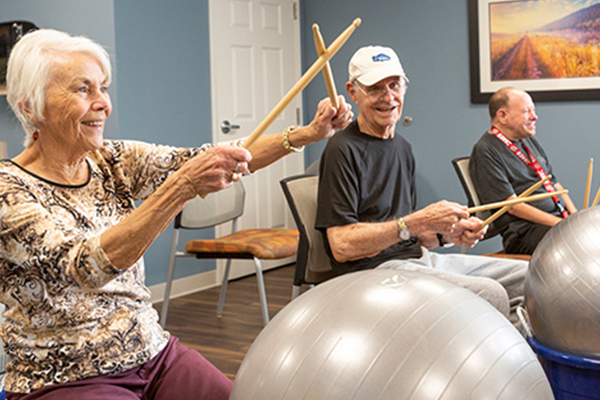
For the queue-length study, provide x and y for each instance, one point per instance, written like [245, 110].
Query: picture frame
[486, 15]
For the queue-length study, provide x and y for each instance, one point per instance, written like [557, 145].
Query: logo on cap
[381, 57]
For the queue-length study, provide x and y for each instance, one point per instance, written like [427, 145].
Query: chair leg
[261, 291]
[169, 283]
[223, 289]
[297, 288]
[295, 291]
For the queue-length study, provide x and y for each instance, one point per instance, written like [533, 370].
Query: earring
[36, 135]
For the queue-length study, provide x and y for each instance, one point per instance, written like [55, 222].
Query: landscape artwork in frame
[550, 48]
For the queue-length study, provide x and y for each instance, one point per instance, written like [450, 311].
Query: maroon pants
[175, 373]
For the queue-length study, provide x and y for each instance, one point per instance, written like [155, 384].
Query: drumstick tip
[357, 22]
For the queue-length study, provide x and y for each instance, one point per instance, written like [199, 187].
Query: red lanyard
[532, 163]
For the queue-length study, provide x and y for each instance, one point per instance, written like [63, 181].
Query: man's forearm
[361, 240]
[533, 214]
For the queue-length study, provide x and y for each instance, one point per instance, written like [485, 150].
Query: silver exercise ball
[385, 334]
[562, 286]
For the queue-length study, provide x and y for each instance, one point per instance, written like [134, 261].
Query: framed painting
[550, 48]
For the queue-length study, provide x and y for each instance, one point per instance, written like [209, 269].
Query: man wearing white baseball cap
[371, 64]
[367, 197]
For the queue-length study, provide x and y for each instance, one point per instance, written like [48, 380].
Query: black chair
[312, 264]
[461, 166]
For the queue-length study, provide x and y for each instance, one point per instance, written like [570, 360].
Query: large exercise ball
[386, 334]
[562, 286]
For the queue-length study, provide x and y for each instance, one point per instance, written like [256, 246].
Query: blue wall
[89, 18]
[164, 91]
[161, 58]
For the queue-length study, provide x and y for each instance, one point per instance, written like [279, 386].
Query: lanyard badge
[532, 163]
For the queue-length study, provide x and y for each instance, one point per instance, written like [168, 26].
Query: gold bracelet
[286, 140]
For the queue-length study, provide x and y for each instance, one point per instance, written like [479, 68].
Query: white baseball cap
[371, 64]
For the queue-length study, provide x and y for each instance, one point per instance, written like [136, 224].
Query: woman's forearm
[270, 148]
[127, 241]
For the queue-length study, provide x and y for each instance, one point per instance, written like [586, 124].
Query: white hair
[29, 71]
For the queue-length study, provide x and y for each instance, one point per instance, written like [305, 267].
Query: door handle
[227, 127]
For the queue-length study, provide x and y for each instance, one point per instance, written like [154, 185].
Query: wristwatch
[403, 232]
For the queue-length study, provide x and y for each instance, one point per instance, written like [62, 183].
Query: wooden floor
[225, 341]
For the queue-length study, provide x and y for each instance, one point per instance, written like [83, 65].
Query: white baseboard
[185, 286]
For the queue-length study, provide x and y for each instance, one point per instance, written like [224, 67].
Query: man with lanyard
[506, 161]
[367, 196]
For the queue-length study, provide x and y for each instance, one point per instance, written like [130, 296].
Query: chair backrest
[214, 209]
[461, 166]
[312, 264]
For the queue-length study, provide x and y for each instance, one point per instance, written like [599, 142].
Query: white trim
[185, 286]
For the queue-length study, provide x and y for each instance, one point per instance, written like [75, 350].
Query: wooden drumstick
[596, 198]
[589, 184]
[504, 209]
[512, 202]
[301, 84]
[327, 74]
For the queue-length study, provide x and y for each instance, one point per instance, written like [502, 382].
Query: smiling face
[77, 105]
[518, 118]
[378, 115]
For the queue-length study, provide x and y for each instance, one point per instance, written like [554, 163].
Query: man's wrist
[403, 231]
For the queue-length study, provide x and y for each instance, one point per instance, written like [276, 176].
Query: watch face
[404, 234]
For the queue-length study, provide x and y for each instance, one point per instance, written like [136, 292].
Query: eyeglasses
[398, 88]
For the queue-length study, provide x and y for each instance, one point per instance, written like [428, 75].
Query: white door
[255, 60]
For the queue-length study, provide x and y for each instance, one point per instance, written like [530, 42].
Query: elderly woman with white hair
[78, 321]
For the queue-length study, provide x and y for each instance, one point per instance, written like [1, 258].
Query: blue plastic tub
[571, 377]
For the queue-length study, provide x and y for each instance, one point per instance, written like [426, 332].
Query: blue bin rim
[563, 358]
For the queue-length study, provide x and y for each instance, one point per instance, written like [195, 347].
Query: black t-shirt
[498, 173]
[366, 179]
